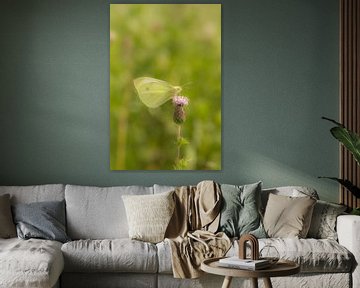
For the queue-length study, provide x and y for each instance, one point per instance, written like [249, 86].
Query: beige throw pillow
[149, 215]
[288, 217]
[7, 226]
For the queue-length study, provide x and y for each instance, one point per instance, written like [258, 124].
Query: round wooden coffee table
[281, 268]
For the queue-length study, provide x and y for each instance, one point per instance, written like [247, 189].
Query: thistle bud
[179, 114]
[179, 102]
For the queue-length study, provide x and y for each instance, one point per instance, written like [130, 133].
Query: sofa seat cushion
[110, 255]
[313, 255]
[30, 263]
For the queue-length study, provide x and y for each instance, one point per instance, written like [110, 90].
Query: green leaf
[333, 121]
[347, 184]
[181, 164]
[182, 141]
[348, 138]
[355, 211]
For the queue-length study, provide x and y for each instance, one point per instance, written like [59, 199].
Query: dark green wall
[280, 75]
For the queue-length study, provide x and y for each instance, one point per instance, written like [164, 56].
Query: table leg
[227, 282]
[254, 282]
[267, 283]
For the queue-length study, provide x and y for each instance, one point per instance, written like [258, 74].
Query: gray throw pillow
[44, 220]
[240, 213]
[323, 222]
[7, 227]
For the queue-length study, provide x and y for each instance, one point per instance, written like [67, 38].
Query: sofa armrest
[348, 230]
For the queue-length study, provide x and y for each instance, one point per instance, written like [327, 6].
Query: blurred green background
[180, 44]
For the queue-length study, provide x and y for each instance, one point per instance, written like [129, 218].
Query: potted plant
[351, 141]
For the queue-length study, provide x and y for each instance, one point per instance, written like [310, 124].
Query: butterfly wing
[153, 92]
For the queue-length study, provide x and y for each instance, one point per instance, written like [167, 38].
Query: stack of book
[248, 264]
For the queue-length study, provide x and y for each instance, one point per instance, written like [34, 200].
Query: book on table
[249, 264]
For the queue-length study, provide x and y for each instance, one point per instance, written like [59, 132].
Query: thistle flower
[180, 100]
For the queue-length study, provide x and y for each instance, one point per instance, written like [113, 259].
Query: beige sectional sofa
[102, 255]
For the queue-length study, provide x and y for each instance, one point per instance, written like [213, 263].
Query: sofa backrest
[36, 193]
[163, 188]
[98, 212]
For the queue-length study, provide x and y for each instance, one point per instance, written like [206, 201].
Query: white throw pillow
[149, 215]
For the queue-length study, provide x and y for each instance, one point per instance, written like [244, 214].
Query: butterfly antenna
[187, 84]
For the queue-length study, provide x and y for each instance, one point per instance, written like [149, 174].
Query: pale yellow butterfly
[154, 92]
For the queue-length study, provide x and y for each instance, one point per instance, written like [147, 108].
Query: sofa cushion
[313, 255]
[43, 220]
[164, 257]
[287, 216]
[291, 191]
[149, 215]
[323, 222]
[98, 213]
[117, 255]
[30, 263]
[163, 188]
[240, 210]
[7, 226]
[36, 193]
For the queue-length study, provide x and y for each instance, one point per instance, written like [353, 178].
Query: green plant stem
[179, 145]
